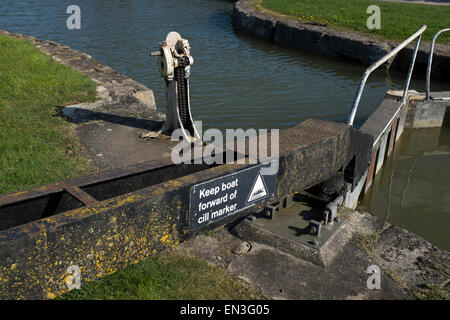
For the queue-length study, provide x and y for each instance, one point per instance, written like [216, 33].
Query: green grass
[36, 145]
[168, 276]
[398, 20]
[432, 292]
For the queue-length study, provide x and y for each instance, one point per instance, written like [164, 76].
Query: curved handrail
[430, 60]
[382, 60]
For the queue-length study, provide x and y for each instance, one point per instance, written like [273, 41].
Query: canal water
[413, 189]
[236, 81]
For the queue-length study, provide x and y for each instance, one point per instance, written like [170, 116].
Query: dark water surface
[413, 189]
[236, 81]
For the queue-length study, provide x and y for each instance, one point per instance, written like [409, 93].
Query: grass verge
[36, 145]
[167, 276]
[398, 19]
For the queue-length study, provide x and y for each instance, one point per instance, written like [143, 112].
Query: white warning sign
[258, 190]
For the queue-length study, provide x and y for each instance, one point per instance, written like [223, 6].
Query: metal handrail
[385, 58]
[430, 60]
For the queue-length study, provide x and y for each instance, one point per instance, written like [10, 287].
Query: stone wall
[286, 31]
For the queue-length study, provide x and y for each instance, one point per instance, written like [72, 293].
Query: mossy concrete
[409, 265]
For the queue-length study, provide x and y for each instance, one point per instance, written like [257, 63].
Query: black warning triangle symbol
[258, 190]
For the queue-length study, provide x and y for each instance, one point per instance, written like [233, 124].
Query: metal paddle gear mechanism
[174, 61]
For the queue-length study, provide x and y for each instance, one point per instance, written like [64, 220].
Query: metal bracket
[270, 210]
[331, 209]
[314, 227]
[288, 202]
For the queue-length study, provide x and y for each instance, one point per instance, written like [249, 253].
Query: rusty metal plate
[293, 223]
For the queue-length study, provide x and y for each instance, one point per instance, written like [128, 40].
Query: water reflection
[413, 190]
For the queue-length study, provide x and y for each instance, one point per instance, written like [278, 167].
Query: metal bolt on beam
[315, 227]
[270, 211]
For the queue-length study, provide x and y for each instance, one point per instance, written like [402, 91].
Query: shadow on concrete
[79, 115]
